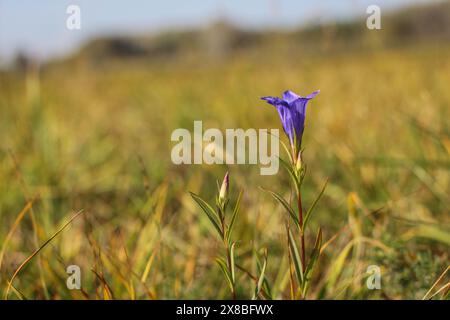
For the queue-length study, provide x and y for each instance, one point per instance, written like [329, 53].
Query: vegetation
[90, 136]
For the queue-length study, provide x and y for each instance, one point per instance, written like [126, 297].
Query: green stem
[227, 249]
[302, 234]
[296, 157]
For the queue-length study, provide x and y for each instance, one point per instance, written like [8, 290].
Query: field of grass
[96, 137]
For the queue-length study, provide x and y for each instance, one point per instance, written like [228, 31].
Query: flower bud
[298, 163]
[223, 194]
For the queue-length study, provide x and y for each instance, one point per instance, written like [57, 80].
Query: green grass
[97, 138]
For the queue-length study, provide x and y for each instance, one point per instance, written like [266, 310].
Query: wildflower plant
[292, 111]
[224, 227]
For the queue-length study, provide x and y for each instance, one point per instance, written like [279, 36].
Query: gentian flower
[292, 111]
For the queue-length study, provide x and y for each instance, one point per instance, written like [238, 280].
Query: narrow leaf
[261, 278]
[209, 211]
[233, 275]
[314, 255]
[287, 150]
[338, 264]
[286, 205]
[223, 266]
[233, 217]
[296, 258]
[311, 208]
[294, 178]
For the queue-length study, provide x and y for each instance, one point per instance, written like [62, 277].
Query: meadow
[93, 137]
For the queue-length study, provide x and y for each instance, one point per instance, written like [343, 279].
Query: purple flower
[292, 111]
[223, 194]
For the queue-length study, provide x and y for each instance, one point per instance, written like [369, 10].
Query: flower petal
[274, 101]
[285, 114]
[312, 95]
[290, 96]
[292, 111]
[299, 105]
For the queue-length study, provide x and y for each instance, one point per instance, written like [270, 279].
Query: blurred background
[86, 117]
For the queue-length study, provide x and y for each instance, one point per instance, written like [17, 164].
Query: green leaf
[233, 274]
[314, 256]
[209, 211]
[233, 217]
[285, 205]
[296, 258]
[303, 173]
[287, 151]
[223, 266]
[292, 174]
[311, 208]
[261, 278]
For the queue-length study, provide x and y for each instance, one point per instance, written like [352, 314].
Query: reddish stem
[302, 236]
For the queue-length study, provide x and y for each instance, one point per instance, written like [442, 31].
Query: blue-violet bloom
[292, 111]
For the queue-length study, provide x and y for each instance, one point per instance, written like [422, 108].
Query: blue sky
[38, 27]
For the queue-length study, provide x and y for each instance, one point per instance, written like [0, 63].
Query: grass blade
[24, 263]
[337, 266]
[19, 218]
[261, 279]
[436, 283]
[148, 266]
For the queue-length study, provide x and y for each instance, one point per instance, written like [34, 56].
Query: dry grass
[97, 138]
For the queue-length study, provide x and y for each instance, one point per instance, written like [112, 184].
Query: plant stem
[291, 272]
[302, 234]
[227, 248]
[296, 154]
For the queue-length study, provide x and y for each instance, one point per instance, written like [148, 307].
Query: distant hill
[415, 24]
